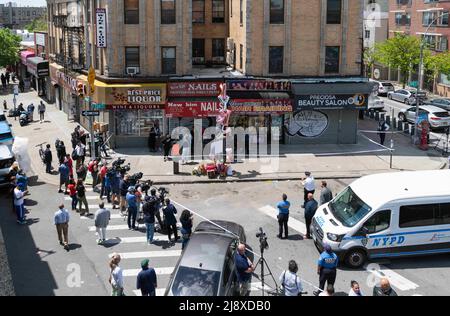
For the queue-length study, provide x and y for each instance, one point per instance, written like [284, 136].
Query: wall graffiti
[307, 123]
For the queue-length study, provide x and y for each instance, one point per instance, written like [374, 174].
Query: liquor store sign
[331, 101]
[145, 96]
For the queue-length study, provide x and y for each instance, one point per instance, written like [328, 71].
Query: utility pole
[88, 66]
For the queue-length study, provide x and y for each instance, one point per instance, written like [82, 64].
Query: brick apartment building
[164, 60]
[413, 17]
[15, 17]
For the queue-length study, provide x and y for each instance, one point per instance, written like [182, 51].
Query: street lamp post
[420, 83]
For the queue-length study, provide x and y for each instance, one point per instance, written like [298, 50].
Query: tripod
[263, 263]
[445, 147]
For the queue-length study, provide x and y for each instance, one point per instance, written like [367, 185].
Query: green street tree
[400, 52]
[437, 64]
[10, 45]
[39, 24]
[370, 57]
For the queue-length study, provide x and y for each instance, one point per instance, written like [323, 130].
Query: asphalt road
[39, 266]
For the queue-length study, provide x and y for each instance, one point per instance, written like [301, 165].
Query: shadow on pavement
[31, 276]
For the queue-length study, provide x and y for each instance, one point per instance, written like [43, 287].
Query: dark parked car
[440, 103]
[206, 267]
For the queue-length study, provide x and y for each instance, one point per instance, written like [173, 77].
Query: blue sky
[29, 3]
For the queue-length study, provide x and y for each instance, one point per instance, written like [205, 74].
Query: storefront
[23, 68]
[65, 85]
[130, 110]
[39, 70]
[326, 113]
[260, 103]
[188, 101]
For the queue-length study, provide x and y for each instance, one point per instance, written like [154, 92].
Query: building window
[88, 3]
[276, 11]
[169, 61]
[334, 8]
[241, 56]
[218, 11]
[168, 12]
[198, 51]
[131, 57]
[276, 59]
[198, 11]
[218, 49]
[332, 56]
[367, 34]
[241, 12]
[131, 8]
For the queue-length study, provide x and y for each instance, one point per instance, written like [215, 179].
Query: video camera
[146, 185]
[134, 179]
[263, 244]
[117, 165]
[162, 194]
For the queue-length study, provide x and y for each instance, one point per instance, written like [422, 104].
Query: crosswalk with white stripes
[133, 248]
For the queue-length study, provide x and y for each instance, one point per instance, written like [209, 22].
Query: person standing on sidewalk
[81, 197]
[61, 151]
[244, 270]
[61, 220]
[325, 195]
[383, 127]
[186, 220]
[146, 280]
[69, 163]
[124, 186]
[290, 282]
[48, 159]
[102, 178]
[19, 200]
[326, 268]
[5, 105]
[72, 187]
[80, 151]
[116, 275]
[30, 110]
[152, 140]
[283, 217]
[101, 220]
[63, 178]
[309, 186]
[170, 220]
[41, 110]
[132, 208]
[310, 210]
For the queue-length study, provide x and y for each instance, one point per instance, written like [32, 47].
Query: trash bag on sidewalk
[20, 150]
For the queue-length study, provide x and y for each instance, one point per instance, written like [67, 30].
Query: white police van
[6, 161]
[387, 216]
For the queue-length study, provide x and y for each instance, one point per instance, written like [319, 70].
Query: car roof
[206, 251]
[4, 128]
[221, 227]
[431, 108]
[6, 152]
[401, 185]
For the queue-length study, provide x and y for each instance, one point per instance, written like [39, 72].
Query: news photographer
[244, 270]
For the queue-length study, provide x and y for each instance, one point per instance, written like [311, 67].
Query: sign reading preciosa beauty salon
[328, 101]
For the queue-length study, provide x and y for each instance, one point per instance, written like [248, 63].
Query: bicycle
[42, 152]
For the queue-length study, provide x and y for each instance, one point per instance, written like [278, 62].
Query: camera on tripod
[263, 244]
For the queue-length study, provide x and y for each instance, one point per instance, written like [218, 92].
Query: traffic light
[80, 89]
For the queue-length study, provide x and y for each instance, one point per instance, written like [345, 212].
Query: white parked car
[405, 96]
[375, 103]
[437, 117]
[384, 87]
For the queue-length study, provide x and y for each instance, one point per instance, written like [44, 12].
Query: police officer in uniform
[326, 268]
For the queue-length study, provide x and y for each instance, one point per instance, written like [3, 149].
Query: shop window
[334, 8]
[276, 11]
[168, 12]
[198, 11]
[137, 122]
[332, 59]
[276, 59]
[131, 8]
[241, 56]
[169, 61]
[218, 11]
[241, 12]
[198, 51]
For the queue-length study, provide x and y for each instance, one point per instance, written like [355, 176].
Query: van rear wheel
[355, 258]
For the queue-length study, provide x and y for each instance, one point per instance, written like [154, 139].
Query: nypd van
[6, 161]
[387, 216]
[6, 134]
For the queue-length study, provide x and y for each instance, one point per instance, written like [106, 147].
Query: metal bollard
[176, 167]
[377, 116]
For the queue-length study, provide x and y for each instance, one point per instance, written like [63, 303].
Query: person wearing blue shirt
[146, 280]
[63, 177]
[310, 210]
[132, 208]
[326, 268]
[283, 217]
[61, 220]
[124, 185]
[244, 270]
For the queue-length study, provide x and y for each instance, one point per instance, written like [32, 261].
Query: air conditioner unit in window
[132, 71]
[198, 60]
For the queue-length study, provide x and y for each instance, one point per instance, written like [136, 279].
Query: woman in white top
[290, 282]
[355, 290]
[116, 277]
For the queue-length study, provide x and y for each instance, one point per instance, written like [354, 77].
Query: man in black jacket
[384, 289]
[48, 159]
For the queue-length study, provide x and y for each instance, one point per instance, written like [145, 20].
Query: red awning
[25, 55]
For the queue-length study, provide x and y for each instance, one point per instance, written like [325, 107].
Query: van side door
[375, 232]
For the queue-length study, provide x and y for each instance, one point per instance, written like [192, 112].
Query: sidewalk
[324, 161]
